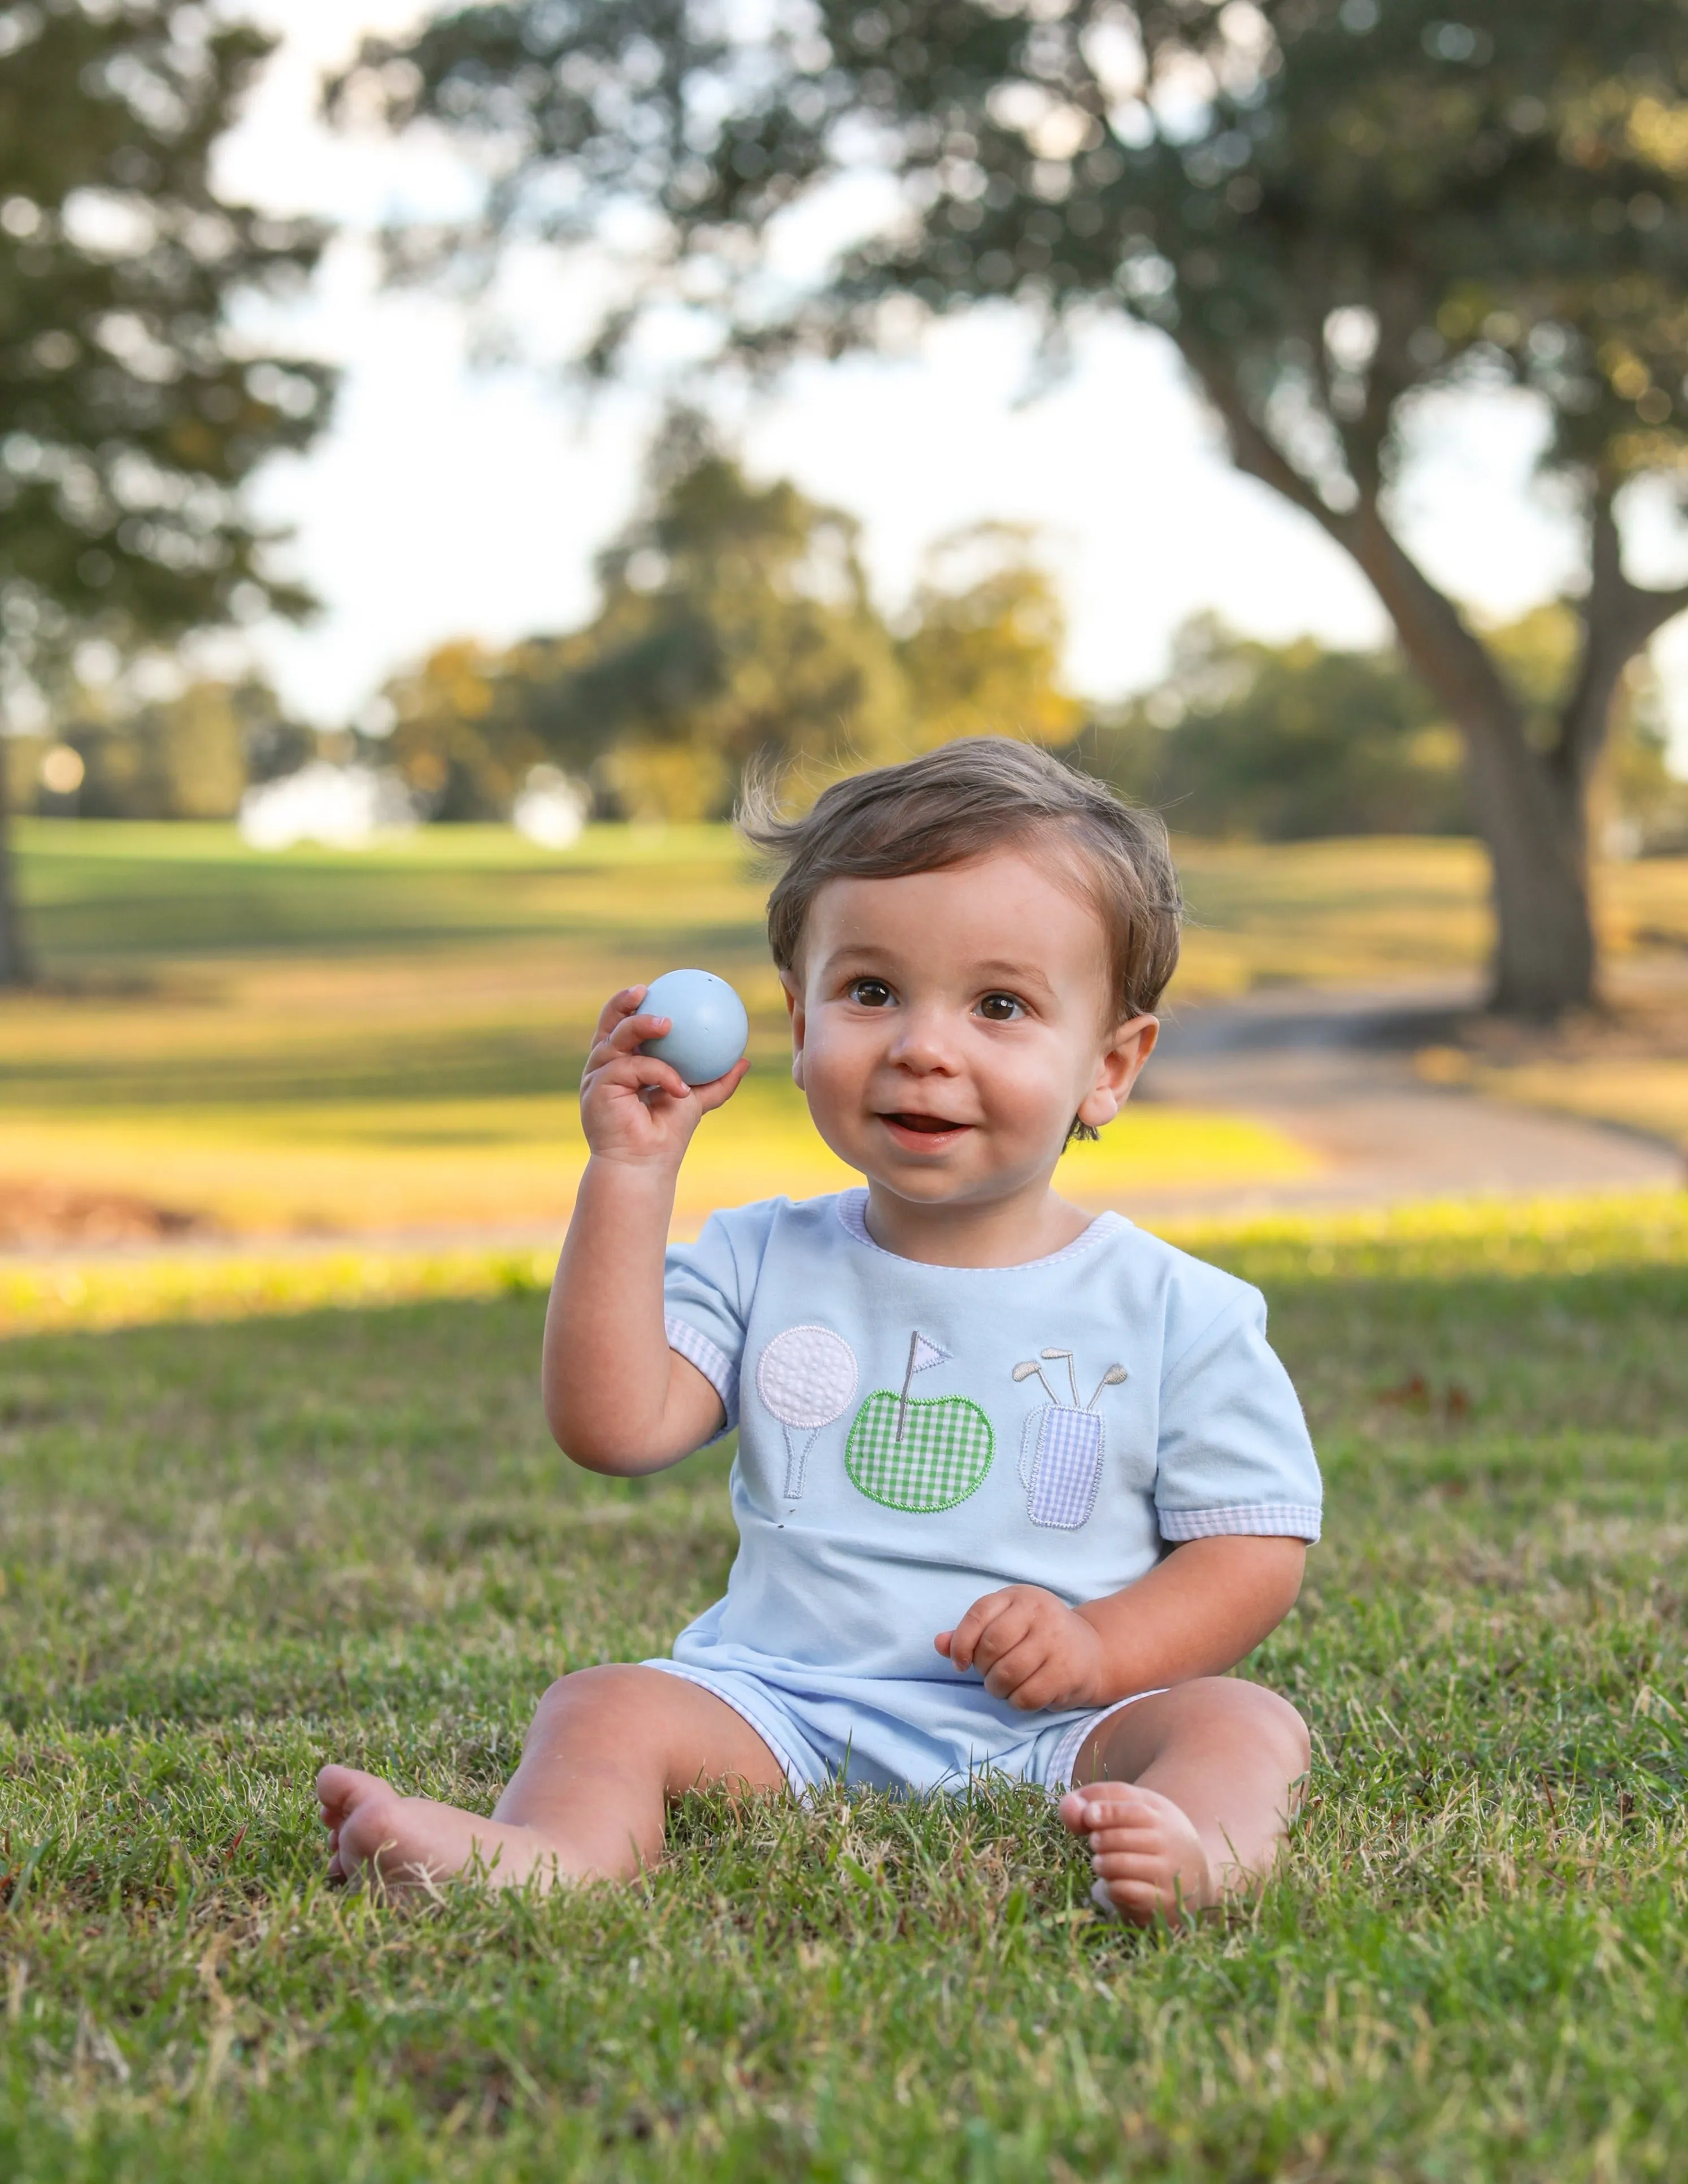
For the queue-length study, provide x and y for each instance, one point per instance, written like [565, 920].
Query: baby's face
[949, 1025]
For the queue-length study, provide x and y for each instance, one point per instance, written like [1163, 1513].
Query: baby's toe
[1123, 1832]
[340, 1790]
[1121, 1807]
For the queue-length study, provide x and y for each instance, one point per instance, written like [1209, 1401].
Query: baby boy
[1015, 1485]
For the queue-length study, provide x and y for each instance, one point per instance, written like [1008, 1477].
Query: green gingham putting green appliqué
[942, 1456]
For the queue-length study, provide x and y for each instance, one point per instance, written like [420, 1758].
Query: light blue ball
[711, 1027]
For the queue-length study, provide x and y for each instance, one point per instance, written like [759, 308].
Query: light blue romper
[896, 1461]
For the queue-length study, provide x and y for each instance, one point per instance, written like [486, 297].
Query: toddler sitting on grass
[1014, 1485]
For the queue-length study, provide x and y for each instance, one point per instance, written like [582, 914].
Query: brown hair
[959, 802]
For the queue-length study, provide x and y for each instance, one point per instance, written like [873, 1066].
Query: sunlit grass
[322, 1043]
[227, 1551]
[348, 1167]
[1424, 1242]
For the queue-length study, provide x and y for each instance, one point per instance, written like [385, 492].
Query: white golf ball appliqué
[709, 1026]
[806, 1378]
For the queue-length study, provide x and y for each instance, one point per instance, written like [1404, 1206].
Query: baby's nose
[923, 1043]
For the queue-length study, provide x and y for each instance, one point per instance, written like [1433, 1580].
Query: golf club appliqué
[1061, 1452]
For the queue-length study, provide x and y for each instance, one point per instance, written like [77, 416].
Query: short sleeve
[1234, 1454]
[706, 1291]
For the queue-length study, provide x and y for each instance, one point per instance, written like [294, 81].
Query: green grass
[321, 1042]
[229, 1550]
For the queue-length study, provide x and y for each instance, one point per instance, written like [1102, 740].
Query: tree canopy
[1289, 742]
[1335, 208]
[735, 628]
[131, 415]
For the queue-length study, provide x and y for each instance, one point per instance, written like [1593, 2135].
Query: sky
[449, 498]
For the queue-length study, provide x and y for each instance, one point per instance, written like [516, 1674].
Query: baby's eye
[870, 994]
[1000, 1008]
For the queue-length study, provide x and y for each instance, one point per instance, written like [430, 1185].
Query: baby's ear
[794, 1009]
[1129, 1047]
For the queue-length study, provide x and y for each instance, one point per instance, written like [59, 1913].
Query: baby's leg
[1186, 1795]
[606, 1750]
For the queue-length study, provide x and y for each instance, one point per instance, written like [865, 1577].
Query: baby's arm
[1198, 1612]
[617, 1398]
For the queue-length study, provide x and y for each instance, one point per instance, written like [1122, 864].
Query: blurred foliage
[187, 756]
[1284, 743]
[129, 419]
[983, 650]
[735, 628]
[1245, 740]
[1331, 207]
[459, 735]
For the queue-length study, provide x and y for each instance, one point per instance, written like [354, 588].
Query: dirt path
[1333, 1070]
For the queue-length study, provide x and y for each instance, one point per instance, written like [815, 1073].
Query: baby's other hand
[1030, 1647]
[633, 1107]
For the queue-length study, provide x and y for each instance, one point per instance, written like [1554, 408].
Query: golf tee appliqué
[806, 1378]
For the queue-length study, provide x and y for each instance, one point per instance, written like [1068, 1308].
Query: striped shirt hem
[1291, 1520]
[711, 1360]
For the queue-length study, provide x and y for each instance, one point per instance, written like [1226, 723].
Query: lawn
[323, 1044]
[326, 1044]
[229, 1550]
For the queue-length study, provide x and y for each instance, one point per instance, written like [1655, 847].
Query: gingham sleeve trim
[1276, 1520]
[710, 1360]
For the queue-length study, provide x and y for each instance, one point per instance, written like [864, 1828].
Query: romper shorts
[867, 1740]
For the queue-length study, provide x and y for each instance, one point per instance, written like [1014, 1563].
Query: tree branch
[1253, 450]
[1618, 617]
[1452, 660]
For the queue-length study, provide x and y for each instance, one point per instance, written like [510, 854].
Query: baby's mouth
[925, 1126]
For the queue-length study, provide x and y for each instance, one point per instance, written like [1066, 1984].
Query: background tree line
[736, 628]
[1328, 208]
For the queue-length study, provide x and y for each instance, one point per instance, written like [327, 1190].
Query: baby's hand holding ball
[708, 1027]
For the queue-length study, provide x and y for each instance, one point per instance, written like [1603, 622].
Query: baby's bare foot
[1149, 1861]
[412, 1842]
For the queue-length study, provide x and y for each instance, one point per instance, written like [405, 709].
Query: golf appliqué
[919, 1453]
[805, 1378]
[1061, 1454]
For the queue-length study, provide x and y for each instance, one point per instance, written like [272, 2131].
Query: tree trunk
[1536, 833]
[14, 964]
[1530, 809]
[1531, 813]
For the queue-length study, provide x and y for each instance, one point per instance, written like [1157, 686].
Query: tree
[458, 737]
[1332, 207]
[735, 629]
[983, 654]
[131, 415]
[1285, 743]
[189, 756]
